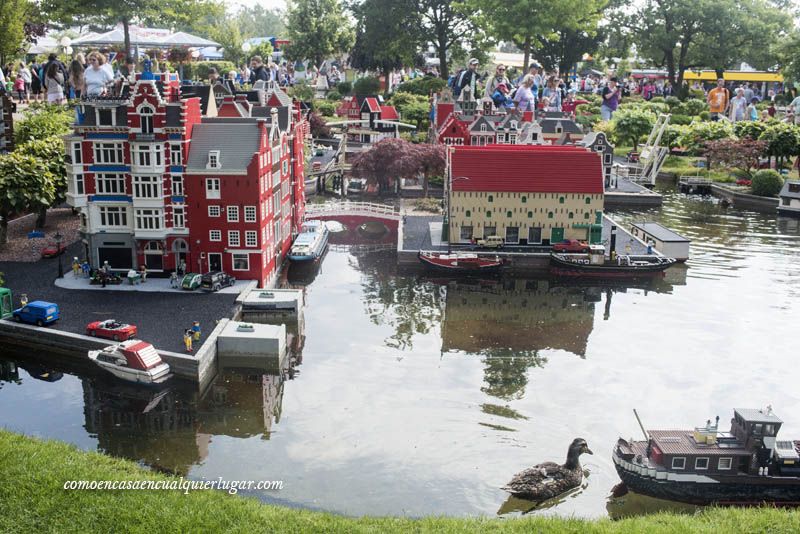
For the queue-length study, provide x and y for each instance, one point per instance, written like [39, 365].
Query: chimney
[273, 114]
[613, 238]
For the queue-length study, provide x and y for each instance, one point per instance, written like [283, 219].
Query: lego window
[586, 216]
[588, 200]
[524, 200]
[508, 214]
[177, 186]
[149, 219]
[701, 463]
[534, 235]
[466, 233]
[178, 217]
[512, 234]
[724, 463]
[215, 235]
[249, 214]
[468, 213]
[233, 238]
[241, 262]
[560, 200]
[489, 214]
[491, 198]
[251, 238]
[214, 211]
[233, 213]
[176, 155]
[571, 215]
[679, 463]
[213, 160]
[550, 215]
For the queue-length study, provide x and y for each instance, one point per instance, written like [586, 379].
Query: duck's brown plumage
[547, 480]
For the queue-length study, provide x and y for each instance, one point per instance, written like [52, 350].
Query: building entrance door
[214, 261]
[556, 235]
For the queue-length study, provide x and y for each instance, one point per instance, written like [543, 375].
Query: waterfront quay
[161, 317]
[423, 232]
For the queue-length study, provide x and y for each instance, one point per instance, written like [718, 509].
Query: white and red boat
[461, 262]
[133, 360]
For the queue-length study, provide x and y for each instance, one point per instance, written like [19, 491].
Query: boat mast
[449, 192]
[646, 436]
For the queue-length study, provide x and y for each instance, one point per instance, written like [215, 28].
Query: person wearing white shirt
[97, 78]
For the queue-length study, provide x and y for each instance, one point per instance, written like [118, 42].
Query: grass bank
[32, 499]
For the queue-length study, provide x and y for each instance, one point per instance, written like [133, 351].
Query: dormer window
[483, 127]
[559, 128]
[513, 125]
[213, 160]
[146, 119]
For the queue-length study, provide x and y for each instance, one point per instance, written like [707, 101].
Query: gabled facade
[152, 178]
[543, 194]
[598, 142]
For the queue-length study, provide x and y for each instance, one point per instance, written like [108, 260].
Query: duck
[549, 479]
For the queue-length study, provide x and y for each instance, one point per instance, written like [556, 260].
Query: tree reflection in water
[505, 372]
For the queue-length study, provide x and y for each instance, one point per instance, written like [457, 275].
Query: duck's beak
[587, 450]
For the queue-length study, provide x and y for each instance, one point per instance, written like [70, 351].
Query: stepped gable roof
[592, 137]
[237, 140]
[389, 113]
[527, 169]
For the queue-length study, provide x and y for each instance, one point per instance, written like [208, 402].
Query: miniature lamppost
[59, 239]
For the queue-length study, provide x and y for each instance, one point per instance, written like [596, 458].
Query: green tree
[687, 34]
[387, 35]
[766, 183]
[258, 21]
[318, 29]
[447, 25]
[783, 141]
[632, 124]
[25, 184]
[50, 153]
[13, 15]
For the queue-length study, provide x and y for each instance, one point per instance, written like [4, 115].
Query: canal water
[416, 395]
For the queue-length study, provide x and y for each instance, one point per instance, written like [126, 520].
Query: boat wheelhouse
[789, 196]
[310, 243]
[746, 464]
[594, 264]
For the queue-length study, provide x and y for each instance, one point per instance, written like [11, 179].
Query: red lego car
[111, 329]
[53, 249]
[571, 245]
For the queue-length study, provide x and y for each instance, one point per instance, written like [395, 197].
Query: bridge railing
[335, 208]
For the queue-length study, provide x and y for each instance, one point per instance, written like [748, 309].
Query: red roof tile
[527, 169]
[388, 113]
[372, 104]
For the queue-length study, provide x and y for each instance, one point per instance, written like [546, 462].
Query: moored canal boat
[596, 265]
[310, 243]
[133, 360]
[746, 465]
[461, 262]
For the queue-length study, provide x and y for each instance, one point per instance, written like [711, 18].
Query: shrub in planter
[325, 108]
[424, 85]
[697, 134]
[751, 129]
[766, 183]
[694, 106]
[334, 96]
[366, 86]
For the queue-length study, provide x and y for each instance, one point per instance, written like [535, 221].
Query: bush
[697, 94]
[334, 96]
[325, 108]
[672, 101]
[766, 183]
[344, 88]
[697, 134]
[302, 92]
[198, 70]
[658, 100]
[705, 115]
[672, 135]
[751, 129]
[367, 86]
[588, 120]
[588, 109]
[428, 204]
[694, 107]
[783, 140]
[424, 85]
[781, 99]
[43, 121]
[680, 120]
[632, 124]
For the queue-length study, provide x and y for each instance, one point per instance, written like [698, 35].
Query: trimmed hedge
[766, 183]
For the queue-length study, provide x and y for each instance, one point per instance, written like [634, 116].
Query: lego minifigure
[187, 340]
[196, 330]
[76, 267]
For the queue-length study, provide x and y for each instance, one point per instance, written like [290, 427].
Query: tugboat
[594, 264]
[461, 262]
[133, 360]
[311, 243]
[747, 465]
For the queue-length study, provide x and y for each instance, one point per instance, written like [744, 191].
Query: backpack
[454, 82]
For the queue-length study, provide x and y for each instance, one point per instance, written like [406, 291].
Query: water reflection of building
[517, 315]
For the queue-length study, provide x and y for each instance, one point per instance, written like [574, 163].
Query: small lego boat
[461, 262]
[747, 465]
[310, 244]
[596, 265]
[133, 360]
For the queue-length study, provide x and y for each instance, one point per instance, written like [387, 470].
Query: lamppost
[66, 43]
[59, 239]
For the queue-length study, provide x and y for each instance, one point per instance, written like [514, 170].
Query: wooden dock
[695, 185]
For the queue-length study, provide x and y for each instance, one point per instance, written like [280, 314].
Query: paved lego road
[160, 317]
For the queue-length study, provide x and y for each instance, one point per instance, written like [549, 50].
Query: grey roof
[567, 125]
[757, 416]
[266, 112]
[591, 138]
[662, 233]
[791, 194]
[236, 139]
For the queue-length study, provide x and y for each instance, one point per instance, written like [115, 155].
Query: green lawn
[32, 499]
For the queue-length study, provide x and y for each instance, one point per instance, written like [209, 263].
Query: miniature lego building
[7, 109]
[526, 194]
[158, 184]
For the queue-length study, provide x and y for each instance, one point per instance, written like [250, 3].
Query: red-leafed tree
[319, 127]
[741, 154]
[391, 159]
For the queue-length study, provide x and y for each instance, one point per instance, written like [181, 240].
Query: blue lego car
[37, 312]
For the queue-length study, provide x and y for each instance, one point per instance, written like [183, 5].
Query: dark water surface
[418, 396]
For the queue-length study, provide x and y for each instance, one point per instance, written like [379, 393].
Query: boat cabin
[134, 354]
[664, 240]
[790, 199]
